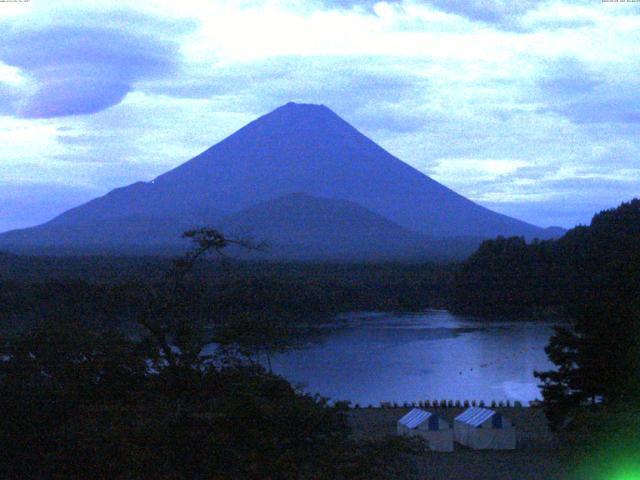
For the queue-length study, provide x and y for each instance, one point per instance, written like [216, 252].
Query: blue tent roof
[476, 416]
[417, 417]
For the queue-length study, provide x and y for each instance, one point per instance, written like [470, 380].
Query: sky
[530, 108]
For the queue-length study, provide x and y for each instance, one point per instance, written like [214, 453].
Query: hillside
[299, 226]
[599, 261]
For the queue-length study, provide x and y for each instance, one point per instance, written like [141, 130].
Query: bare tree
[178, 337]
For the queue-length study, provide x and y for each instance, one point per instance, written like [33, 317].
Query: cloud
[378, 87]
[559, 194]
[584, 95]
[522, 16]
[615, 154]
[83, 69]
[474, 170]
[367, 5]
[609, 107]
[568, 77]
[491, 11]
[497, 12]
[9, 97]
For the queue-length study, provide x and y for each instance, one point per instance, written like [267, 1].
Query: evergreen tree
[598, 358]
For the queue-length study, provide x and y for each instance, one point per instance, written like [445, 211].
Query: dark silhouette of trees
[80, 400]
[590, 277]
[506, 276]
[599, 355]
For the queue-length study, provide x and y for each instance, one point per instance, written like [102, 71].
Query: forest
[508, 276]
[109, 290]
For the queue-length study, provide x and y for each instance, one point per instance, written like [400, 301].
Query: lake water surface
[372, 357]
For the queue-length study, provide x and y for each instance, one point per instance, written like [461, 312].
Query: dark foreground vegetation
[78, 403]
[83, 401]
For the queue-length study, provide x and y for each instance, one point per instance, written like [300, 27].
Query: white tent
[481, 429]
[435, 430]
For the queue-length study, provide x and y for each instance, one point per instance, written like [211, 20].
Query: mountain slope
[305, 227]
[295, 148]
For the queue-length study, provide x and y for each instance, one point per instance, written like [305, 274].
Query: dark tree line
[89, 288]
[507, 276]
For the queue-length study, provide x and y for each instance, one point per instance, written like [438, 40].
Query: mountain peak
[308, 111]
[303, 106]
[301, 126]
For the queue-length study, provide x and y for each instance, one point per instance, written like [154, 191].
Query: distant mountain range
[300, 178]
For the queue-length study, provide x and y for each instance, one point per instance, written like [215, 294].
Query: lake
[372, 357]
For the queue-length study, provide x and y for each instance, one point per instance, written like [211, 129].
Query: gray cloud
[9, 97]
[369, 90]
[349, 4]
[505, 15]
[617, 154]
[605, 108]
[565, 201]
[499, 13]
[560, 23]
[84, 69]
[531, 172]
[569, 77]
[572, 89]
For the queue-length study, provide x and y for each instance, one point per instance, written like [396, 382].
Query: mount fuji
[300, 177]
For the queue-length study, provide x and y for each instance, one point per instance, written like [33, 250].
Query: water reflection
[368, 358]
